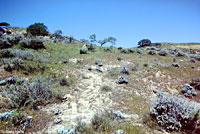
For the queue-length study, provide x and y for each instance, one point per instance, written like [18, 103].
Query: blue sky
[127, 20]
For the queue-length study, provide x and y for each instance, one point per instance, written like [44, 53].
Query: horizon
[128, 21]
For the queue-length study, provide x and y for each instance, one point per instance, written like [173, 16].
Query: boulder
[175, 64]
[188, 91]
[124, 70]
[122, 80]
[99, 69]
[119, 131]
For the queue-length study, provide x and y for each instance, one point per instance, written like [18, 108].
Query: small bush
[66, 81]
[163, 52]
[138, 50]
[32, 43]
[152, 52]
[4, 43]
[124, 50]
[106, 88]
[25, 93]
[91, 47]
[175, 113]
[83, 51]
[9, 53]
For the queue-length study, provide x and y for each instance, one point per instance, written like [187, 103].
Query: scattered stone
[124, 70]
[175, 64]
[120, 131]
[100, 64]
[65, 61]
[188, 91]
[10, 80]
[89, 67]
[29, 118]
[3, 82]
[99, 69]
[122, 80]
[155, 59]
[6, 115]
[57, 121]
[56, 111]
[119, 114]
[62, 130]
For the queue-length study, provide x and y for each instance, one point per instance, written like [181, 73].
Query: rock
[57, 120]
[29, 118]
[9, 80]
[65, 61]
[122, 80]
[56, 111]
[175, 64]
[119, 114]
[100, 64]
[99, 69]
[120, 131]
[72, 131]
[62, 130]
[124, 70]
[6, 115]
[158, 74]
[89, 67]
[155, 59]
[188, 91]
[3, 82]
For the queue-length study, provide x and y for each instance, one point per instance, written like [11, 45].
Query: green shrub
[32, 43]
[37, 29]
[83, 51]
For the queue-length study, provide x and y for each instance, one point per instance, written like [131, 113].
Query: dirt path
[86, 101]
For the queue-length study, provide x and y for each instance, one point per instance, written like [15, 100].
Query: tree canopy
[37, 29]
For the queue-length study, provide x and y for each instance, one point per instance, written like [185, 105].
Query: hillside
[54, 87]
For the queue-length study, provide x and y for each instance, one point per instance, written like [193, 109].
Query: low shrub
[163, 52]
[106, 88]
[32, 43]
[25, 92]
[9, 53]
[175, 113]
[83, 51]
[4, 43]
